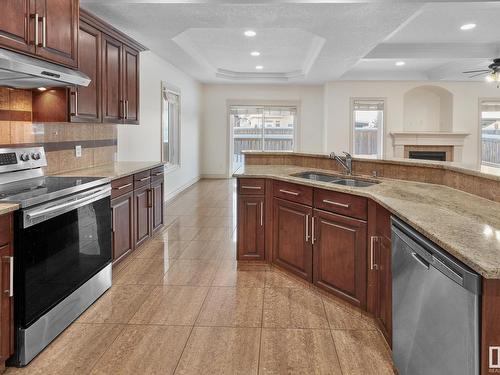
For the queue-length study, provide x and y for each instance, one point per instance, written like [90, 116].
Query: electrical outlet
[78, 151]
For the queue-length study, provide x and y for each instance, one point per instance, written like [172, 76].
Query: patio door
[261, 128]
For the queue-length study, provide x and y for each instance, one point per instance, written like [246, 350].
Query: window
[490, 133]
[170, 123]
[261, 128]
[367, 127]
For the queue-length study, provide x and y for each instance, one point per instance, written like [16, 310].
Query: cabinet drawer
[293, 192]
[122, 186]
[157, 173]
[142, 179]
[5, 229]
[251, 186]
[340, 203]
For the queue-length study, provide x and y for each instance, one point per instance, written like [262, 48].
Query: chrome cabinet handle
[126, 107]
[336, 203]
[307, 228]
[75, 94]
[113, 219]
[44, 31]
[150, 198]
[373, 265]
[36, 17]
[251, 187]
[10, 291]
[289, 192]
[313, 235]
[123, 186]
[158, 174]
[261, 214]
[145, 178]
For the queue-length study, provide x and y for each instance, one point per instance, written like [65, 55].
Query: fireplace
[428, 155]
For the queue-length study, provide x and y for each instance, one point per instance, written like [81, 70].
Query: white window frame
[169, 166]
[260, 103]
[480, 131]
[382, 132]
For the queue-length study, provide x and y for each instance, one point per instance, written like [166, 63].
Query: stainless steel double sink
[323, 177]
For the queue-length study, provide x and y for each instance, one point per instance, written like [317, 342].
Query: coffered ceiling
[305, 42]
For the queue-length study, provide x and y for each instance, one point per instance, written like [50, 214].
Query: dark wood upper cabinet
[130, 85]
[340, 256]
[86, 101]
[292, 245]
[157, 197]
[15, 26]
[251, 221]
[57, 30]
[112, 103]
[123, 224]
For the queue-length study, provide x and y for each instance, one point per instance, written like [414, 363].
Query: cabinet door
[112, 104]
[58, 31]
[251, 240]
[142, 214]
[157, 197]
[340, 256]
[15, 26]
[86, 101]
[384, 311]
[6, 304]
[131, 85]
[292, 248]
[123, 225]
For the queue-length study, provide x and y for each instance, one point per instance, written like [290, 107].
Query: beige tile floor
[181, 304]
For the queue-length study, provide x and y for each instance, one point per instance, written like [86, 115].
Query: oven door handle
[66, 206]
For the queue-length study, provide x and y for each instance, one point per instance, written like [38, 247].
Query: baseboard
[174, 194]
[214, 176]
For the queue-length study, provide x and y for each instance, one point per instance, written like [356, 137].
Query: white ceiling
[305, 42]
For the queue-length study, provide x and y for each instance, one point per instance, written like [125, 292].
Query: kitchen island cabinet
[6, 288]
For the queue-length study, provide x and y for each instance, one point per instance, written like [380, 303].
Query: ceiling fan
[492, 74]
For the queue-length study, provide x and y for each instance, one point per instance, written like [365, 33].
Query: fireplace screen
[428, 155]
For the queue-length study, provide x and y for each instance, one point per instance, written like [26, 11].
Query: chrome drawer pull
[289, 192]
[158, 174]
[144, 178]
[336, 203]
[251, 187]
[123, 186]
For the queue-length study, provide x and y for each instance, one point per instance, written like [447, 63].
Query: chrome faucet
[347, 164]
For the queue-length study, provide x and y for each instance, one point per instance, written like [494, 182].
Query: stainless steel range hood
[25, 72]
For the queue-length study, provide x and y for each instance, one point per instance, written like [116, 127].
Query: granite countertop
[465, 225]
[470, 169]
[114, 170]
[5, 208]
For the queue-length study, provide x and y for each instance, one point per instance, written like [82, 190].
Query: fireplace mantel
[429, 139]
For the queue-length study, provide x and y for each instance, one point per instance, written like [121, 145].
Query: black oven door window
[55, 257]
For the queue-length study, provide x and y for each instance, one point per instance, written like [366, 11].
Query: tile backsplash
[98, 141]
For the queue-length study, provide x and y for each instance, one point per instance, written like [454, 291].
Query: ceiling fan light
[489, 78]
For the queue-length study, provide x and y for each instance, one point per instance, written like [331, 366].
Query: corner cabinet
[46, 29]
[6, 287]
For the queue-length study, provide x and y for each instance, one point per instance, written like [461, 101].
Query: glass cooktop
[45, 188]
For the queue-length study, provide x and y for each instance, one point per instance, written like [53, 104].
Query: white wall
[465, 109]
[215, 144]
[143, 142]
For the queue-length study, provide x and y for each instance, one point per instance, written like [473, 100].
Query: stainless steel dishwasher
[435, 308]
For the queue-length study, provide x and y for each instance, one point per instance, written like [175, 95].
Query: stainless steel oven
[62, 265]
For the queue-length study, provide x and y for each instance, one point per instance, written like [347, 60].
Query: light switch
[78, 151]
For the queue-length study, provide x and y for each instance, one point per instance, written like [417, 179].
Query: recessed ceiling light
[400, 63]
[255, 53]
[250, 33]
[42, 89]
[468, 26]
[259, 67]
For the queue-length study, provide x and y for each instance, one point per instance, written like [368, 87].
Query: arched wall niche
[428, 109]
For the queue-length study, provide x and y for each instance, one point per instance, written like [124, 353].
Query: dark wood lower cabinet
[340, 256]
[292, 245]
[142, 216]
[157, 196]
[251, 221]
[123, 225]
[6, 289]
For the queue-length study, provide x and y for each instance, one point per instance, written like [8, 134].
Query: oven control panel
[14, 159]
